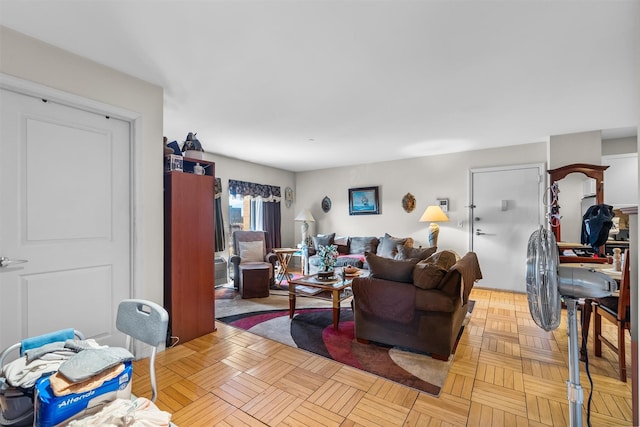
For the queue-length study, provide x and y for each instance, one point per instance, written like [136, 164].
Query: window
[245, 213]
[255, 207]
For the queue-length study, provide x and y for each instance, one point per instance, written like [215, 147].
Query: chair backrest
[143, 320]
[624, 299]
[250, 236]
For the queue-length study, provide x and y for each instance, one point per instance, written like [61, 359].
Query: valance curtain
[219, 223]
[270, 206]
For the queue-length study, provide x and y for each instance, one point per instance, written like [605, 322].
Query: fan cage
[542, 279]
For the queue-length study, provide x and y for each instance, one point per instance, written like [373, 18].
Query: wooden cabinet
[189, 252]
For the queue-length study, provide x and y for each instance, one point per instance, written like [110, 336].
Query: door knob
[5, 262]
[479, 233]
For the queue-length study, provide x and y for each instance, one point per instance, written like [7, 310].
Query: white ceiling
[303, 85]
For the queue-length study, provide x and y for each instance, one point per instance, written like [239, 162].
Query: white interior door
[506, 209]
[65, 208]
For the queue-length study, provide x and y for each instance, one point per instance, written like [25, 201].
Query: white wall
[427, 178]
[582, 147]
[33, 60]
[619, 146]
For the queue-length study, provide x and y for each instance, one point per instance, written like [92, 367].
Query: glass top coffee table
[335, 290]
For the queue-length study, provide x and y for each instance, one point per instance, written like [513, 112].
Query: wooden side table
[284, 258]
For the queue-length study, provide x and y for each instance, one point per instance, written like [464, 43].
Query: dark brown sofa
[421, 309]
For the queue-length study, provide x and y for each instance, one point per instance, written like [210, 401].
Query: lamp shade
[434, 214]
[305, 215]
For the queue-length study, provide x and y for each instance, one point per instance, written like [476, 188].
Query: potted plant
[328, 256]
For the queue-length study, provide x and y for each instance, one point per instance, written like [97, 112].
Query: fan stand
[574, 389]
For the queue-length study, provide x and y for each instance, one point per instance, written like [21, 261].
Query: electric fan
[547, 284]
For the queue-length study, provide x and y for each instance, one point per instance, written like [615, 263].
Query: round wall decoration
[408, 202]
[288, 196]
[326, 204]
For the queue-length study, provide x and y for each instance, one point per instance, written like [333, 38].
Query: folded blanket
[138, 413]
[90, 362]
[62, 387]
[470, 271]
[19, 373]
[35, 342]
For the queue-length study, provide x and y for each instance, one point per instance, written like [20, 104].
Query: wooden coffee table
[335, 290]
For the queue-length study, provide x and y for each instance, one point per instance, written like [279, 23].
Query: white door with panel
[506, 208]
[66, 210]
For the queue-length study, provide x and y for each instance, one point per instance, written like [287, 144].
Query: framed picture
[364, 201]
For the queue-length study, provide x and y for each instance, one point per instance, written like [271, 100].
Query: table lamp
[433, 214]
[306, 217]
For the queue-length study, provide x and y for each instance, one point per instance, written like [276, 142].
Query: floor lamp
[306, 217]
[434, 214]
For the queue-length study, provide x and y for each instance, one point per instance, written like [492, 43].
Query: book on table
[309, 290]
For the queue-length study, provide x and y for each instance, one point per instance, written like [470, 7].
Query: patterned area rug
[312, 330]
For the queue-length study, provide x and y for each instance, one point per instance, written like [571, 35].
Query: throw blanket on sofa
[385, 299]
[469, 269]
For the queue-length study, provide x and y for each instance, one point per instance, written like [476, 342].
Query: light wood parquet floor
[506, 372]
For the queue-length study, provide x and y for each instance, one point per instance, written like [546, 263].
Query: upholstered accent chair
[251, 247]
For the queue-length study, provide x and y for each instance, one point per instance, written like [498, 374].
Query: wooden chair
[617, 311]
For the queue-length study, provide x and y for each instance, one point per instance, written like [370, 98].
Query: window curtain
[269, 210]
[219, 222]
[272, 220]
[257, 220]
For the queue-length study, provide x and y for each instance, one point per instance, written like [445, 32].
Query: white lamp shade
[434, 214]
[305, 215]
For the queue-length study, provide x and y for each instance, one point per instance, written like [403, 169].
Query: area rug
[312, 330]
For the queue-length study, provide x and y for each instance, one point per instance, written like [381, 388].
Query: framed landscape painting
[364, 201]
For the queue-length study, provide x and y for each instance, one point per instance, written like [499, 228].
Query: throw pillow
[405, 252]
[444, 259]
[323, 240]
[360, 245]
[342, 242]
[390, 269]
[388, 246]
[427, 275]
[251, 251]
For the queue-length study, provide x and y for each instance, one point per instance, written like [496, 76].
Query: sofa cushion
[390, 269]
[345, 259]
[251, 251]
[323, 240]
[428, 273]
[342, 242]
[360, 245]
[387, 245]
[405, 252]
[350, 259]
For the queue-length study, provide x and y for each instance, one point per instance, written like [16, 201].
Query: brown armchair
[251, 247]
[424, 315]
